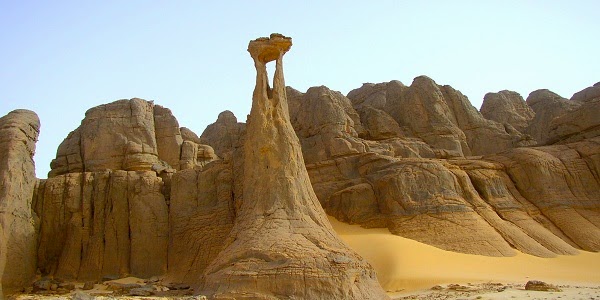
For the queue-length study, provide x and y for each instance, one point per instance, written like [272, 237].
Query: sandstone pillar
[282, 245]
[19, 131]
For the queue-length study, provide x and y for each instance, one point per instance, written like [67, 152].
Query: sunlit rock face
[19, 131]
[281, 244]
[239, 210]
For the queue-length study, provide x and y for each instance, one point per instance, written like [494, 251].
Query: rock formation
[104, 210]
[239, 211]
[580, 123]
[546, 106]
[440, 116]
[507, 107]
[19, 131]
[281, 244]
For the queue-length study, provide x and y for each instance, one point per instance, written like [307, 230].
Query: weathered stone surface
[419, 160]
[325, 122]
[126, 135]
[201, 215]
[196, 156]
[378, 124]
[168, 136]
[562, 182]
[224, 136]
[95, 224]
[587, 94]
[439, 115]
[281, 244]
[507, 107]
[188, 135]
[540, 286]
[547, 106]
[471, 194]
[580, 123]
[19, 131]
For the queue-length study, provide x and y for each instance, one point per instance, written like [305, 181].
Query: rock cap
[266, 49]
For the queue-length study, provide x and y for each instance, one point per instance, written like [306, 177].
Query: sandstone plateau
[239, 212]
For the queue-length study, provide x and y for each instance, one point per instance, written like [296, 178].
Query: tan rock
[326, 123]
[379, 125]
[580, 123]
[97, 224]
[547, 106]
[196, 156]
[587, 94]
[224, 136]
[282, 244]
[562, 182]
[19, 131]
[168, 136]
[439, 115]
[126, 135]
[201, 214]
[188, 135]
[507, 107]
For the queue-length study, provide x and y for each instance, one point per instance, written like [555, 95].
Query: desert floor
[408, 270]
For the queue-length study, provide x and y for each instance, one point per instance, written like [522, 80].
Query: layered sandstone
[546, 105]
[102, 224]
[507, 107]
[440, 116]
[19, 131]
[239, 211]
[281, 244]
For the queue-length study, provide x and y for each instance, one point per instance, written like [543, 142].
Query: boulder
[540, 286]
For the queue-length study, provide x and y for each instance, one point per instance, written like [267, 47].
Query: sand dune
[404, 264]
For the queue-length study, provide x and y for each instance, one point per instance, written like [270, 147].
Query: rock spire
[282, 245]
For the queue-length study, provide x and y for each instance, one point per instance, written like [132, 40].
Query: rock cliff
[239, 210]
[19, 131]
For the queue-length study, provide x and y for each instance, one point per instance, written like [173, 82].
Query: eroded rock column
[19, 131]
[282, 245]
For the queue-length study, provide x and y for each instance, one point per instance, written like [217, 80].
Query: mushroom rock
[281, 244]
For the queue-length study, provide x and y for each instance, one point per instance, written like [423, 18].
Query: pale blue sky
[60, 58]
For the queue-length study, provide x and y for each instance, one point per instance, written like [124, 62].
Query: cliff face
[19, 131]
[238, 211]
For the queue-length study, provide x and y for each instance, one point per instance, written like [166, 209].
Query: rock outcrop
[580, 123]
[97, 224]
[104, 210]
[440, 116]
[547, 106]
[224, 135]
[507, 107]
[281, 244]
[239, 212]
[19, 131]
[201, 215]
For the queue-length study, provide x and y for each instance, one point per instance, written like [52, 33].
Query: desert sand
[407, 268]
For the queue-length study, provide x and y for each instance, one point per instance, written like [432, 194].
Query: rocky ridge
[132, 193]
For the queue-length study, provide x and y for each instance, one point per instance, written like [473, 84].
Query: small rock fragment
[536, 285]
[88, 285]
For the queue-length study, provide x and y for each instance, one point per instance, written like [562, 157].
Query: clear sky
[60, 58]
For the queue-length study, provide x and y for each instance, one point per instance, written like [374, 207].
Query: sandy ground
[411, 270]
[407, 268]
